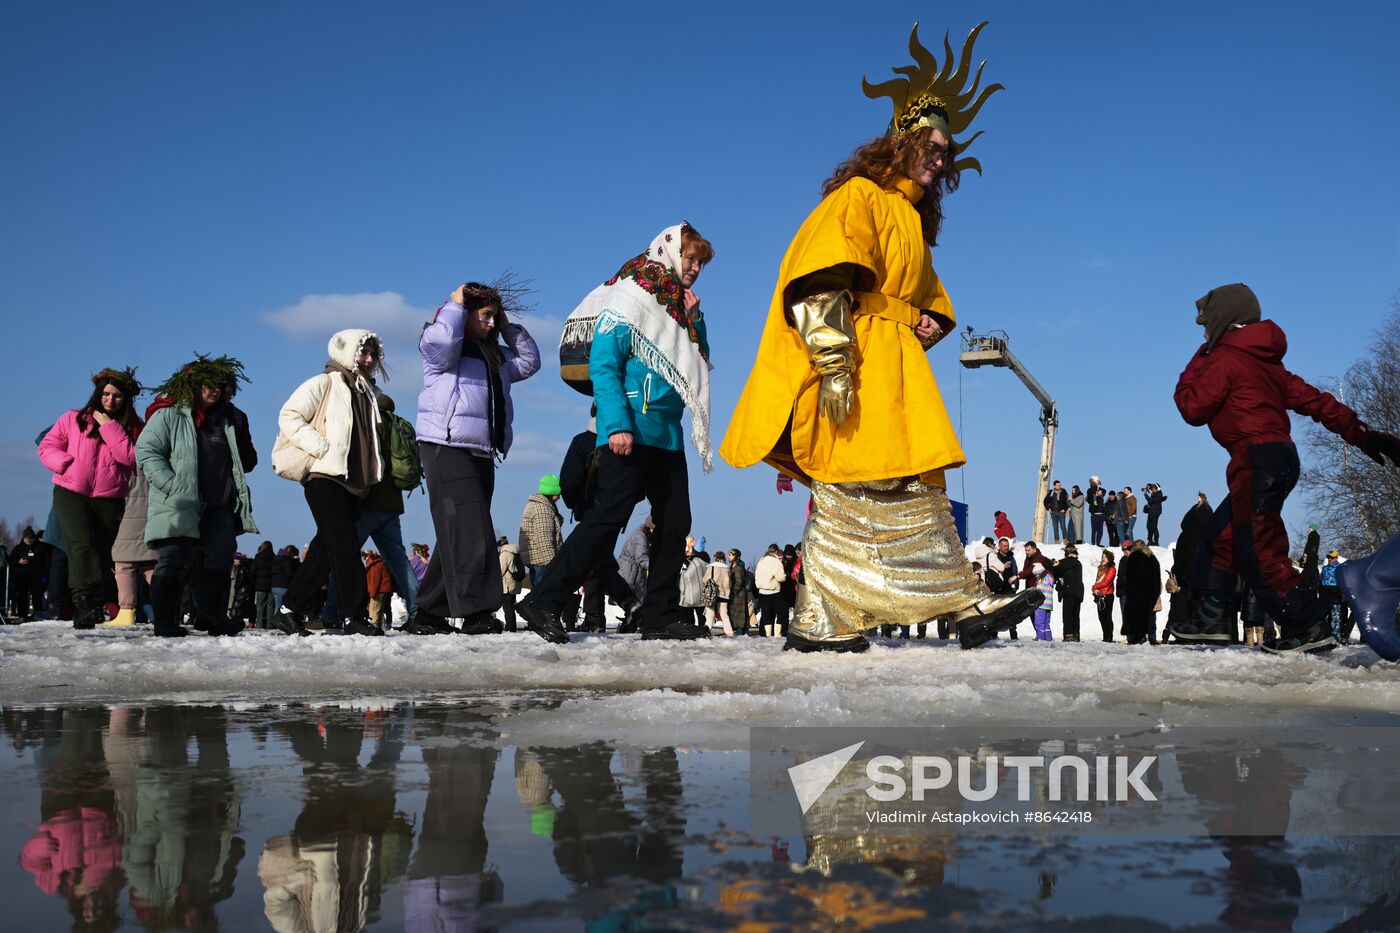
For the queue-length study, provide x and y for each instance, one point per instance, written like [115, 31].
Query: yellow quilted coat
[899, 426]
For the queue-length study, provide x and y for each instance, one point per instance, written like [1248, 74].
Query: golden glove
[823, 321]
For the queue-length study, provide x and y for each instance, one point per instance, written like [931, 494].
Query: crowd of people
[828, 402]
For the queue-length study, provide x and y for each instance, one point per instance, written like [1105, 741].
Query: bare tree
[1357, 501]
[9, 534]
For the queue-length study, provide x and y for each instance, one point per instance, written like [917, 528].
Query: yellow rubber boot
[124, 617]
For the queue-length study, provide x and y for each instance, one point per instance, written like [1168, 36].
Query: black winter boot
[211, 598]
[631, 618]
[166, 594]
[287, 621]
[88, 611]
[1208, 622]
[543, 621]
[980, 623]
[361, 625]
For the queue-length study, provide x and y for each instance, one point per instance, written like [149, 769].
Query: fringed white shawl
[658, 341]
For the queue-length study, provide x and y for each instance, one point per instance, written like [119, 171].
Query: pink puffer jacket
[98, 467]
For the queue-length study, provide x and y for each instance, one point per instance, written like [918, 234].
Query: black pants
[1105, 606]
[772, 611]
[464, 573]
[603, 581]
[26, 593]
[660, 477]
[1071, 618]
[332, 554]
[508, 610]
[89, 528]
[204, 562]
[1153, 535]
[56, 595]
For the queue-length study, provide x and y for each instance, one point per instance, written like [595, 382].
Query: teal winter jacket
[168, 454]
[633, 398]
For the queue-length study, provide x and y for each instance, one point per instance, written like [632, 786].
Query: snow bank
[620, 686]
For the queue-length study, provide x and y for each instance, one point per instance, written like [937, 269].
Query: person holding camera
[472, 355]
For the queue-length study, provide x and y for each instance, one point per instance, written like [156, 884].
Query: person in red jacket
[1002, 527]
[1236, 385]
[379, 583]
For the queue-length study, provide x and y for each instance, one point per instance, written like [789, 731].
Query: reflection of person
[76, 852]
[178, 816]
[596, 838]
[830, 399]
[1244, 794]
[448, 882]
[349, 841]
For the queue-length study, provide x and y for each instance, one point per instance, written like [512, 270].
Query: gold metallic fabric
[823, 321]
[883, 552]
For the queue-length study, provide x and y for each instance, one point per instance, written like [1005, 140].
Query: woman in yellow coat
[842, 396]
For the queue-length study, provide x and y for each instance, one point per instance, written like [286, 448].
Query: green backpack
[405, 465]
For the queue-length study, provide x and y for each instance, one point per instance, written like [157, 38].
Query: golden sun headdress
[930, 96]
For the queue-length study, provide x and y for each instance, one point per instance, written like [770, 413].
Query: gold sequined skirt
[884, 552]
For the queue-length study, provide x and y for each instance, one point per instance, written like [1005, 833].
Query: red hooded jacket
[1243, 392]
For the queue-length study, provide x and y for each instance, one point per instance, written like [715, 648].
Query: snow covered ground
[621, 687]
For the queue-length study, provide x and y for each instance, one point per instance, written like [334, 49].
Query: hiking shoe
[177, 631]
[842, 646]
[1315, 640]
[675, 631]
[980, 623]
[543, 621]
[362, 627]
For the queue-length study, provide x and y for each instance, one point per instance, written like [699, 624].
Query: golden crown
[930, 96]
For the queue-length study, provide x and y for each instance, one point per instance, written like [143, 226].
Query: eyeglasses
[935, 154]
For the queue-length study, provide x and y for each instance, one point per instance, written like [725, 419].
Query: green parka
[168, 454]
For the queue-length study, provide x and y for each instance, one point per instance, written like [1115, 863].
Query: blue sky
[247, 178]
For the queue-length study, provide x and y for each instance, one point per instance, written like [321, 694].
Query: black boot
[542, 620]
[166, 593]
[361, 625]
[1305, 626]
[423, 622]
[211, 598]
[1208, 622]
[631, 618]
[88, 611]
[482, 623]
[287, 621]
[980, 623]
[843, 646]
[676, 631]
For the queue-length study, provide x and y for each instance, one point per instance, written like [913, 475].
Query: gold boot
[124, 617]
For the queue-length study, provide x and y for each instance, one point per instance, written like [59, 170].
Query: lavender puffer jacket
[452, 405]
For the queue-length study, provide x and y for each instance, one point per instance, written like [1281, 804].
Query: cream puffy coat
[315, 424]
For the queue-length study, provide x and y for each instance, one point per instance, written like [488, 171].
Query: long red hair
[887, 159]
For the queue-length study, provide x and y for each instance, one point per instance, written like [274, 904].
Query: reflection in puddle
[437, 817]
